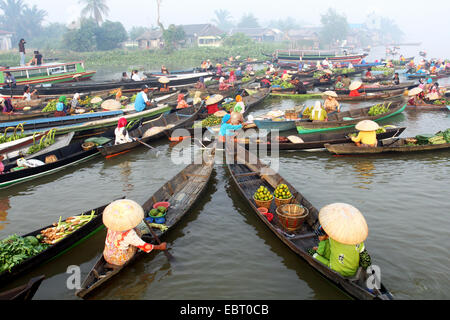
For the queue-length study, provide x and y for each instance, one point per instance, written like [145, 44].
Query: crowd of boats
[43, 134]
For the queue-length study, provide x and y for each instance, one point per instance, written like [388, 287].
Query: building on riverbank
[202, 35]
[5, 40]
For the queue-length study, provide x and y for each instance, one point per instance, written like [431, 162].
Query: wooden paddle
[168, 255]
[155, 152]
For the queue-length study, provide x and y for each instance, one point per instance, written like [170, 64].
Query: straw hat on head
[330, 94]
[112, 105]
[164, 80]
[123, 215]
[96, 100]
[367, 125]
[355, 85]
[344, 223]
[415, 91]
[214, 99]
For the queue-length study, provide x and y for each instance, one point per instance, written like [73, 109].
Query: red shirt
[354, 93]
[213, 108]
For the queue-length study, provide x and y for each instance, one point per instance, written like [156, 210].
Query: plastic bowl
[269, 216]
[263, 210]
[161, 204]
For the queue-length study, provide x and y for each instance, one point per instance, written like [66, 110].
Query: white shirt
[27, 96]
[242, 105]
[136, 77]
[120, 137]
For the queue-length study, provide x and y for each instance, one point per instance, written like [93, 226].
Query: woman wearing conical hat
[346, 230]
[122, 241]
[331, 105]
[367, 136]
[318, 113]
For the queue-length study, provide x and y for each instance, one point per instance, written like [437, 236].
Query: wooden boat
[428, 107]
[20, 143]
[166, 123]
[45, 74]
[23, 293]
[347, 119]
[372, 96]
[298, 96]
[248, 174]
[181, 192]
[376, 78]
[406, 85]
[315, 140]
[317, 55]
[67, 156]
[384, 146]
[57, 249]
[284, 125]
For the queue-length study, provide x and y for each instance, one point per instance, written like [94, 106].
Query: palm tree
[158, 19]
[223, 20]
[95, 9]
[11, 19]
[32, 20]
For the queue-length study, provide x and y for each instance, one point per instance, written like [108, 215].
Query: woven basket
[282, 202]
[88, 146]
[51, 159]
[292, 216]
[291, 115]
[263, 204]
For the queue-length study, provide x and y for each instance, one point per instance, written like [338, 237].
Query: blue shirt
[228, 129]
[139, 103]
[60, 106]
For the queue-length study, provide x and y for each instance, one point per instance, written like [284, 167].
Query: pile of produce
[283, 84]
[365, 260]
[51, 106]
[230, 106]
[14, 250]
[441, 102]
[318, 74]
[133, 98]
[158, 213]
[343, 70]
[307, 112]
[211, 121]
[61, 229]
[282, 192]
[5, 138]
[384, 69]
[439, 138]
[263, 194]
[379, 109]
[246, 79]
[86, 101]
[45, 142]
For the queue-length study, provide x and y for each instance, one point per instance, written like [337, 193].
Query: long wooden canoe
[385, 146]
[372, 96]
[373, 88]
[248, 174]
[181, 192]
[428, 107]
[57, 249]
[166, 124]
[347, 119]
[23, 293]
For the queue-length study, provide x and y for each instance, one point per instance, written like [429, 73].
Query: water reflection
[125, 172]
[4, 207]
[365, 171]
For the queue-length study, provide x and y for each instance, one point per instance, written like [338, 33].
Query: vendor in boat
[232, 79]
[331, 105]
[136, 77]
[121, 132]
[197, 98]
[125, 77]
[123, 240]
[61, 107]
[10, 80]
[37, 60]
[339, 84]
[346, 230]
[27, 94]
[142, 101]
[240, 106]
[369, 73]
[396, 79]
[326, 77]
[239, 72]
[2, 167]
[434, 93]
[223, 85]
[164, 84]
[212, 103]
[230, 123]
[346, 81]
[219, 69]
[416, 97]
[367, 136]
[299, 86]
[75, 103]
[265, 83]
[354, 89]
[164, 70]
[428, 86]
[182, 104]
[318, 113]
[285, 76]
[6, 105]
[200, 84]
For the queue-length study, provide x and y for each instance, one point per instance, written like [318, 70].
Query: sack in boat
[51, 159]
[111, 105]
[153, 131]
[295, 139]
[220, 114]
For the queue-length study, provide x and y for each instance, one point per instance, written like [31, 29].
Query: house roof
[304, 33]
[6, 32]
[254, 32]
[200, 30]
[150, 35]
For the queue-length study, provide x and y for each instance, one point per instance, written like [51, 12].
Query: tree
[237, 39]
[284, 24]
[158, 19]
[84, 38]
[173, 36]
[110, 35]
[248, 21]
[32, 20]
[95, 9]
[136, 32]
[223, 20]
[334, 27]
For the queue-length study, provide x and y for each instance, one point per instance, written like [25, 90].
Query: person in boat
[331, 105]
[37, 60]
[182, 104]
[396, 79]
[197, 98]
[204, 66]
[125, 77]
[417, 97]
[239, 72]
[421, 84]
[200, 84]
[229, 125]
[212, 103]
[402, 58]
[164, 84]
[299, 87]
[232, 79]
[121, 218]
[6, 105]
[346, 81]
[346, 230]
[2, 167]
[326, 76]
[265, 83]
[27, 94]
[223, 86]
[354, 87]
[339, 84]
[318, 113]
[22, 52]
[285, 76]
[136, 77]
[367, 136]
[428, 86]
[10, 80]
[164, 70]
[434, 93]
[219, 69]
[121, 132]
[369, 73]
[75, 103]
[142, 101]
[240, 106]
[61, 107]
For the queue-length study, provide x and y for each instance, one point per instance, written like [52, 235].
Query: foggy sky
[433, 30]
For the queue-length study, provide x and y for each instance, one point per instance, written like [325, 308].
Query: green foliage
[110, 35]
[173, 36]
[285, 24]
[136, 32]
[334, 27]
[223, 20]
[248, 20]
[95, 9]
[50, 37]
[237, 39]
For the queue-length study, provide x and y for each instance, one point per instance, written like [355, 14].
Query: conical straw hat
[164, 80]
[415, 91]
[355, 85]
[111, 105]
[96, 100]
[367, 125]
[331, 94]
[214, 99]
[123, 215]
[344, 223]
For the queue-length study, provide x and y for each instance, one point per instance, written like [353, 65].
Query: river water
[223, 251]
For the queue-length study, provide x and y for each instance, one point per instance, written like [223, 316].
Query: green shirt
[324, 249]
[344, 259]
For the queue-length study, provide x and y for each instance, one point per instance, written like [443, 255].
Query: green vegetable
[14, 250]
[32, 240]
[51, 106]
[154, 213]
[365, 260]
[162, 209]
[211, 121]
